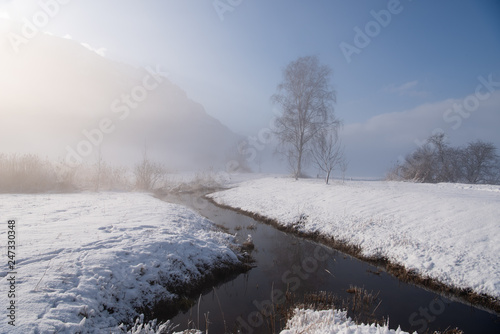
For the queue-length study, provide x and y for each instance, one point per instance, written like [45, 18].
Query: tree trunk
[299, 165]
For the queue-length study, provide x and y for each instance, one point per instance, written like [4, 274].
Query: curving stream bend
[284, 261]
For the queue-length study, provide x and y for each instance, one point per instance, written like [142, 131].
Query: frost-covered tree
[306, 100]
[436, 161]
[148, 173]
[446, 166]
[328, 151]
[481, 163]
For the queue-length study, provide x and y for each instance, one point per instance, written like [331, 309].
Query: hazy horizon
[402, 70]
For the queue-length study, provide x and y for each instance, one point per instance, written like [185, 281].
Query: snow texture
[449, 232]
[331, 322]
[86, 262]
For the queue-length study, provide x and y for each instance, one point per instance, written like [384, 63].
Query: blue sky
[428, 54]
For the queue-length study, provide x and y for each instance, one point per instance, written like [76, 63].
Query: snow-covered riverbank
[86, 262]
[331, 322]
[448, 232]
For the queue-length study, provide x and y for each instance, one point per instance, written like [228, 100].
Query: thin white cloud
[403, 88]
[406, 89]
[4, 15]
[373, 145]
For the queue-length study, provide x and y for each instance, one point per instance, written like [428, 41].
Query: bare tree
[446, 159]
[432, 162]
[25, 174]
[328, 151]
[148, 173]
[306, 100]
[419, 166]
[107, 177]
[436, 161]
[99, 166]
[481, 163]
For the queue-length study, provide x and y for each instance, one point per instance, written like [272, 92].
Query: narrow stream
[283, 260]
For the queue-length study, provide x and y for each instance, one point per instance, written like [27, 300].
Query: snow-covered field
[85, 262]
[449, 232]
[330, 322]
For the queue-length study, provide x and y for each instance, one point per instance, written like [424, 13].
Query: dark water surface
[283, 260]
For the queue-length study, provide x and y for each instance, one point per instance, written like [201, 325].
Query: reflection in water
[285, 262]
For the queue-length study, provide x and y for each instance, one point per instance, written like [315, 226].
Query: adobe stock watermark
[292, 278]
[31, 27]
[224, 6]
[122, 107]
[251, 147]
[462, 110]
[248, 150]
[471, 103]
[373, 28]
[426, 315]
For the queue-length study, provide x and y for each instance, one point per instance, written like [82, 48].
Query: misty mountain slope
[55, 91]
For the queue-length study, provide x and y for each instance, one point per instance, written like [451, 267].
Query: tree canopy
[306, 100]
